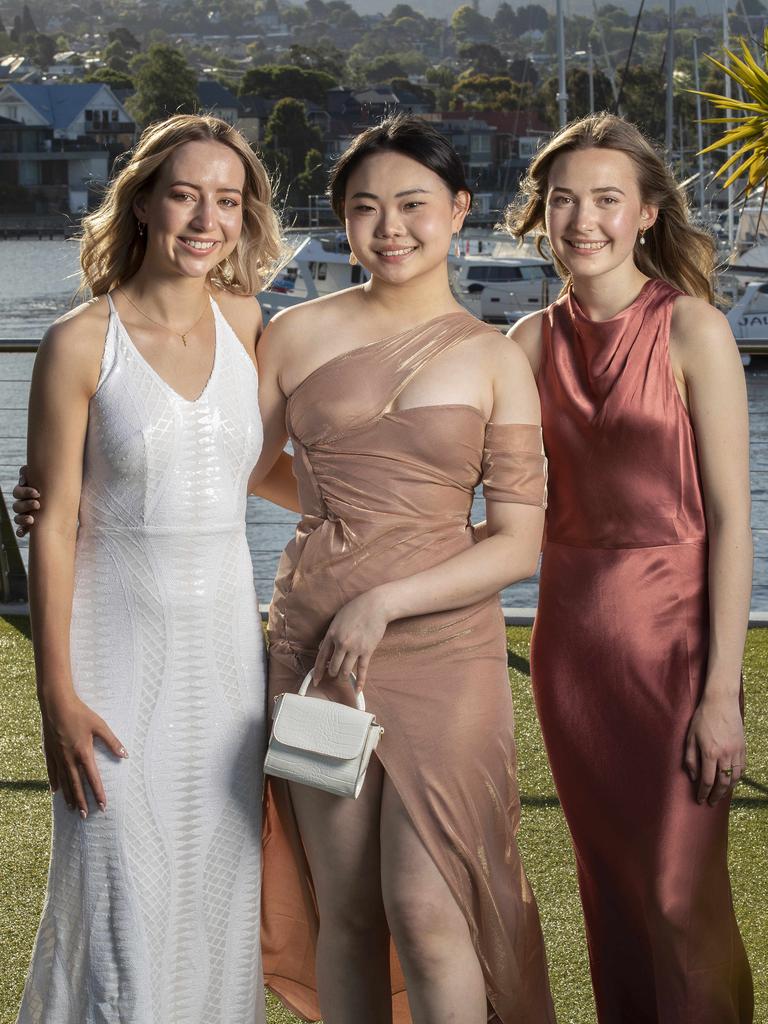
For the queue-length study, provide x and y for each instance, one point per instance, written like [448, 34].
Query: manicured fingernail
[102, 807]
[83, 814]
[123, 752]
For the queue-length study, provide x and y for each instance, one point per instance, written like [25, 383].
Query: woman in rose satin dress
[398, 403]
[645, 581]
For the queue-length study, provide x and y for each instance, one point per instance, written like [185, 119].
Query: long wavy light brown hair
[111, 248]
[675, 249]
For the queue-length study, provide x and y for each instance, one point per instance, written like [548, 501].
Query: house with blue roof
[87, 110]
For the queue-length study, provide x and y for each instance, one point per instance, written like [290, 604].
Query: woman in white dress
[144, 430]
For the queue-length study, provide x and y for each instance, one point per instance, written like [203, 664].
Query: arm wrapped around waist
[514, 464]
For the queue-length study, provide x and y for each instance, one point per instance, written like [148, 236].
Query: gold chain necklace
[182, 335]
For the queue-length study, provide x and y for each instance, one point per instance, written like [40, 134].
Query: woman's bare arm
[63, 381]
[703, 348]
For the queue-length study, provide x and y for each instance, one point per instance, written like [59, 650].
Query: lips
[200, 246]
[584, 246]
[393, 253]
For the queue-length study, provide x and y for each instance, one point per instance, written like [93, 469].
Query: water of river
[37, 283]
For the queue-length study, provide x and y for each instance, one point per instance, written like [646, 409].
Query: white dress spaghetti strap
[152, 909]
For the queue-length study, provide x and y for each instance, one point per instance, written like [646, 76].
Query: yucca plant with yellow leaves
[750, 130]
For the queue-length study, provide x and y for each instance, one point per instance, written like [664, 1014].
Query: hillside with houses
[78, 81]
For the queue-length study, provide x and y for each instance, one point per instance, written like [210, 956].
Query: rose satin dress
[618, 663]
[386, 492]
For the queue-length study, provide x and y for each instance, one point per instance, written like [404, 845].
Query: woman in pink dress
[645, 582]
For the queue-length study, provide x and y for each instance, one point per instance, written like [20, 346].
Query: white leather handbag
[321, 743]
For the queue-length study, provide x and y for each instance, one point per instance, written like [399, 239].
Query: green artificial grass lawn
[24, 831]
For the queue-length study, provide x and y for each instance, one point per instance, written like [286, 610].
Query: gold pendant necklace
[182, 335]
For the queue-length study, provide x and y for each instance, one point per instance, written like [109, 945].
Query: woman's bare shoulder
[698, 331]
[527, 333]
[80, 330]
[73, 346]
[243, 314]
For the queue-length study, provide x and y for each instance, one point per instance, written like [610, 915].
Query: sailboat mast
[562, 95]
[729, 150]
[699, 126]
[670, 79]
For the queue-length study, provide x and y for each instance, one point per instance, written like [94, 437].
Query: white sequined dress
[152, 909]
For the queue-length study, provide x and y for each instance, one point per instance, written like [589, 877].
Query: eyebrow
[191, 184]
[605, 188]
[398, 195]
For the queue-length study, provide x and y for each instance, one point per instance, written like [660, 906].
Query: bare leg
[341, 840]
[442, 973]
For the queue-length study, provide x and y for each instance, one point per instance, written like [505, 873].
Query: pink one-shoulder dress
[619, 659]
[385, 493]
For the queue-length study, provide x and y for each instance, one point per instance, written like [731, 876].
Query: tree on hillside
[114, 79]
[483, 57]
[165, 85]
[28, 26]
[318, 58]
[280, 81]
[41, 48]
[470, 26]
[313, 179]
[126, 38]
[577, 87]
[532, 18]
[290, 135]
[383, 68]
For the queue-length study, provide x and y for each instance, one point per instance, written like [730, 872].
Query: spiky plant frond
[750, 130]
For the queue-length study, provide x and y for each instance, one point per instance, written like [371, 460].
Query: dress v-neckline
[158, 376]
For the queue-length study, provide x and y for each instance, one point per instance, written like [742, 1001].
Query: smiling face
[194, 212]
[400, 216]
[594, 211]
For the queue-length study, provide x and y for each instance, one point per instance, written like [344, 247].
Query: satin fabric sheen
[618, 663]
[386, 492]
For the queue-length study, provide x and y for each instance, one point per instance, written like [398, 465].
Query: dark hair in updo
[399, 133]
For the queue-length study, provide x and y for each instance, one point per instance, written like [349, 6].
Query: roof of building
[59, 104]
[510, 122]
[252, 105]
[214, 94]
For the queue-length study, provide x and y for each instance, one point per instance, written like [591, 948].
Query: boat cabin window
[319, 271]
[495, 274]
[503, 274]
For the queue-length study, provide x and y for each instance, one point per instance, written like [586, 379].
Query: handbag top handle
[359, 698]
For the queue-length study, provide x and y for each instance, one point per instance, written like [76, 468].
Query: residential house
[219, 101]
[15, 68]
[254, 114]
[473, 141]
[88, 111]
[59, 174]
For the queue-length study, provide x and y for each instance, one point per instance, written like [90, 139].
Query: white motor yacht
[494, 279]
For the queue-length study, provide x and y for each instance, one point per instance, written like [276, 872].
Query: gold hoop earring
[352, 260]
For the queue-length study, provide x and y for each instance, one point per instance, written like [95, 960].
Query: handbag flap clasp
[322, 726]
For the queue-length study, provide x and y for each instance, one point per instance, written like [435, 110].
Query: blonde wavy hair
[675, 249]
[111, 248]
